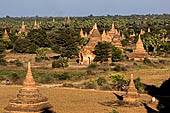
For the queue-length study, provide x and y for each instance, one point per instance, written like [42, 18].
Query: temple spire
[132, 87]
[29, 81]
[95, 26]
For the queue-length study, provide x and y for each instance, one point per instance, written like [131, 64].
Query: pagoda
[139, 53]
[36, 26]
[86, 55]
[132, 96]
[23, 29]
[29, 99]
[6, 36]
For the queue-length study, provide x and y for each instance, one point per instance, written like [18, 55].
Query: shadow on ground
[161, 93]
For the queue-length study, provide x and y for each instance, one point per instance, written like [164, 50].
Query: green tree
[24, 46]
[116, 53]
[38, 37]
[67, 43]
[102, 51]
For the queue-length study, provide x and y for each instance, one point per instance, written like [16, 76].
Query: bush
[106, 87]
[138, 84]
[93, 66]
[106, 69]
[118, 68]
[15, 78]
[114, 111]
[116, 77]
[24, 46]
[101, 81]
[147, 61]
[91, 84]
[3, 62]
[17, 63]
[62, 62]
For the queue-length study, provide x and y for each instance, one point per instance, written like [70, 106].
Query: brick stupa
[23, 29]
[29, 99]
[36, 26]
[139, 53]
[6, 36]
[132, 96]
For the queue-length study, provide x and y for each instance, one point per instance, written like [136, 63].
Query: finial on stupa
[149, 30]
[95, 26]
[35, 23]
[29, 81]
[104, 33]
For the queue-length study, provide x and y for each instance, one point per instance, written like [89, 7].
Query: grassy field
[71, 100]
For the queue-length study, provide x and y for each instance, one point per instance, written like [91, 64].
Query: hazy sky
[82, 7]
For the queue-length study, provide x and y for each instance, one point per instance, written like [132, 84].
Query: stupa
[23, 29]
[36, 26]
[6, 36]
[139, 53]
[29, 99]
[132, 96]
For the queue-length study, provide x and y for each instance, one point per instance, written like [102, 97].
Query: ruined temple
[132, 96]
[6, 36]
[139, 53]
[86, 55]
[29, 99]
[36, 26]
[23, 29]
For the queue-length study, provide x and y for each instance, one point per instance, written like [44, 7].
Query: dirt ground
[66, 100]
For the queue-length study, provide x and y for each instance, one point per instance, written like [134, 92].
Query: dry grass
[71, 100]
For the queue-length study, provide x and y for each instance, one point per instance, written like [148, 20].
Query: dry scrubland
[71, 100]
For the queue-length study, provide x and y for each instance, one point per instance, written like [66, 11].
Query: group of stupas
[86, 55]
[29, 99]
[22, 30]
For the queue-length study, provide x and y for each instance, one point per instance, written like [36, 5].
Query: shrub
[93, 66]
[64, 76]
[91, 84]
[17, 63]
[62, 62]
[147, 61]
[106, 87]
[101, 81]
[118, 68]
[3, 62]
[41, 52]
[116, 77]
[15, 78]
[106, 69]
[138, 84]
[114, 111]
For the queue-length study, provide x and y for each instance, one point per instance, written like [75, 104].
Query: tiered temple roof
[29, 99]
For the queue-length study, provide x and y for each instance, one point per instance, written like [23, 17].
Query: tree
[116, 53]
[38, 37]
[24, 46]
[102, 51]
[67, 43]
